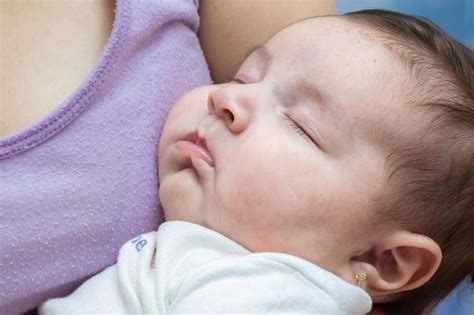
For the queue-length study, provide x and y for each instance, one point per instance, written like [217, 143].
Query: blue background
[456, 17]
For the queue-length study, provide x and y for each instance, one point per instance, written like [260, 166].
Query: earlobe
[400, 262]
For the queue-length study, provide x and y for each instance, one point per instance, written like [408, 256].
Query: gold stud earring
[360, 277]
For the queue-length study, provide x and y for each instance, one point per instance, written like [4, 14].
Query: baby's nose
[233, 108]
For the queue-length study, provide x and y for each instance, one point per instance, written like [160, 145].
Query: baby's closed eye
[299, 130]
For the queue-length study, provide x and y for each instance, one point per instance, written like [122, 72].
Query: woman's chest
[48, 48]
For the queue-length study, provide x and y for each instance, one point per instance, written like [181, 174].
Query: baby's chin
[180, 197]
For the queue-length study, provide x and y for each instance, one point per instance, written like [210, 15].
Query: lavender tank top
[83, 180]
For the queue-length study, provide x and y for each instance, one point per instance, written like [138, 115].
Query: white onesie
[187, 268]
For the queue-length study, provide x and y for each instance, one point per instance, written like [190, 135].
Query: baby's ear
[399, 262]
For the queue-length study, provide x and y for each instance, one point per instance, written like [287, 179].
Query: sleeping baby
[333, 175]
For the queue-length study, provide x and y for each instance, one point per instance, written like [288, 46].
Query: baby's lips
[196, 150]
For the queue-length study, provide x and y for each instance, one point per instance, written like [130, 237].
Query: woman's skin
[46, 51]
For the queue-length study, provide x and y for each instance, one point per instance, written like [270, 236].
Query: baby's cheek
[249, 206]
[256, 196]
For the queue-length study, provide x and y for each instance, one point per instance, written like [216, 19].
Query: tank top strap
[146, 16]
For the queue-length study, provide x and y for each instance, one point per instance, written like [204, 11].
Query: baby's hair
[431, 179]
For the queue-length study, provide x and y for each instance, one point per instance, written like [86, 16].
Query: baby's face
[295, 145]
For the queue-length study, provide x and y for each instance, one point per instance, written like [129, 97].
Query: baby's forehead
[320, 37]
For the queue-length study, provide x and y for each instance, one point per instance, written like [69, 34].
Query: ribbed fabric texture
[185, 268]
[80, 182]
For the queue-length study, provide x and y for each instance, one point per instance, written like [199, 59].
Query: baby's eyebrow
[313, 91]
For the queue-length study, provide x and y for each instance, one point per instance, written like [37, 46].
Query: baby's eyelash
[298, 129]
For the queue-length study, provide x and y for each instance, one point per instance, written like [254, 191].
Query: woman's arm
[229, 29]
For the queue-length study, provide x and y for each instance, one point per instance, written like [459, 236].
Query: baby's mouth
[194, 146]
